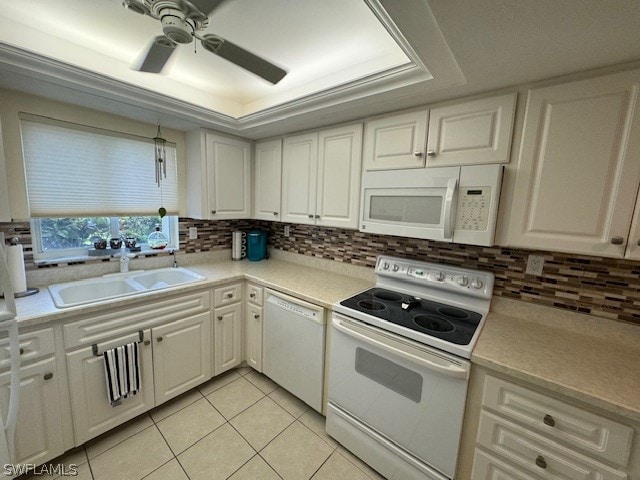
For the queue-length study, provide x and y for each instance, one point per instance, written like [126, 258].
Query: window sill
[81, 259]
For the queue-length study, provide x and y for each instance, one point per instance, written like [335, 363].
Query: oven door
[409, 393]
[416, 204]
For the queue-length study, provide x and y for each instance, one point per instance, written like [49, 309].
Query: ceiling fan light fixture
[175, 27]
[136, 6]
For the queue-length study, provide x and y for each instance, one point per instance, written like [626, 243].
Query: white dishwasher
[293, 346]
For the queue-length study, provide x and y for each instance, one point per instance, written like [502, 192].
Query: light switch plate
[535, 264]
[193, 233]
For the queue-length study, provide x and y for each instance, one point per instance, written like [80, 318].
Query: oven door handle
[448, 208]
[451, 370]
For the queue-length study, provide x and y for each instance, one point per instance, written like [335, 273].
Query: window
[74, 236]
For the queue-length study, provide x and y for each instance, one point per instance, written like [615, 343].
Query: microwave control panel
[474, 205]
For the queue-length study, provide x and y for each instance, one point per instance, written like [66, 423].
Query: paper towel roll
[15, 262]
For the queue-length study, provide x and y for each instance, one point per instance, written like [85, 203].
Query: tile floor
[240, 426]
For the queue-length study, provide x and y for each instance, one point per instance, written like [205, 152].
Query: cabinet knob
[417, 153]
[431, 153]
[256, 316]
[213, 211]
[48, 376]
[229, 295]
[310, 216]
[275, 213]
[21, 351]
[617, 241]
[252, 295]
[540, 461]
[219, 317]
[147, 343]
[159, 339]
[549, 420]
[317, 216]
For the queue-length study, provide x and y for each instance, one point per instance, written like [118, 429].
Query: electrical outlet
[193, 233]
[287, 230]
[535, 264]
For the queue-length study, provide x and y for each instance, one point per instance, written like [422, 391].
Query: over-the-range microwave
[448, 204]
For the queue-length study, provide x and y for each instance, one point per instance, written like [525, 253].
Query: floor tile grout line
[353, 463]
[180, 409]
[171, 450]
[322, 464]
[268, 464]
[124, 439]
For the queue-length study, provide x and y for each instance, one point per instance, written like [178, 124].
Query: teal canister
[256, 245]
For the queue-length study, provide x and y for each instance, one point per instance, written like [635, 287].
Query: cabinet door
[5, 213]
[268, 171]
[632, 251]
[253, 337]
[579, 166]
[227, 337]
[181, 355]
[228, 177]
[395, 142]
[471, 133]
[38, 438]
[339, 164]
[299, 170]
[92, 412]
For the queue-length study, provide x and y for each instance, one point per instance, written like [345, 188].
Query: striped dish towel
[122, 372]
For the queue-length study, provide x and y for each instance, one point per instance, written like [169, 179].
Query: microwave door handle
[448, 207]
[450, 370]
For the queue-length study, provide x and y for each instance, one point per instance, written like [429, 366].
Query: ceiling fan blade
[155, 56]
[243, 58]
[206, 6]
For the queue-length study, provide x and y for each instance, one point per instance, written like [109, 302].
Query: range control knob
[435, 276]
[395, 267]
[463, 281]
[476, 283]
[385, 266]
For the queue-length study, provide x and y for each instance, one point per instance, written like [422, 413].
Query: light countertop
[588, 358]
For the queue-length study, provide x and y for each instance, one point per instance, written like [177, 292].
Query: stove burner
[453, 312]
[371, 305]
[388, 296]
[434, 324]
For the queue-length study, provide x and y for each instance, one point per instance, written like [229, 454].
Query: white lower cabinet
[253, 337]
[92, 412]
[526, 434]
[38, 431]
[227, 334]
[181, 355]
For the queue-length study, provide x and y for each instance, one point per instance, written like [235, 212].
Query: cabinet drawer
[103, 325]
[33, 345]
[486, 467]
[595, 435]
[226, 295]
[254, 294]
[539, 455]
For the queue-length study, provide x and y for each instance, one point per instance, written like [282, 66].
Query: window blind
[73, 170]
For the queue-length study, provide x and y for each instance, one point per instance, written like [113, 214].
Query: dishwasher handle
[451, 370]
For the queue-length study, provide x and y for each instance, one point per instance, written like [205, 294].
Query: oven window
[421, 210]
[389, 374]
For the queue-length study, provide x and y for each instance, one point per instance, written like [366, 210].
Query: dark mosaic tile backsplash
[599, 286]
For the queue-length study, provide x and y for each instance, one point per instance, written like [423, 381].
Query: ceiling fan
[182, 21]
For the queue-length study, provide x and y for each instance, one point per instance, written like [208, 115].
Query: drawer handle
[310, 216]
[21, 351]
[256, 316]
[431, 153]
[220, 317]
[275, 213]
[213, 212]
[417, 153]
[617, 241]
[549, 420]
[316, 216]
[147, 343]
[252, 295]
[159, 339]
[540, 462]
[48, 376]
[229, 295]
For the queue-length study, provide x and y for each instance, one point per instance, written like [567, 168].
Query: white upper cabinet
[321, 177]
[268, 171]
[471, 133]
[299, 170]
[339, 164]
[579, 166]
[5, 212]
[396, 141]
[218, 176]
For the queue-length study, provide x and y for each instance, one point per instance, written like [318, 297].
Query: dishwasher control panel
[294, 307]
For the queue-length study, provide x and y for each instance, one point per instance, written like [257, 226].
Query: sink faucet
[172, 252]
[125, 258]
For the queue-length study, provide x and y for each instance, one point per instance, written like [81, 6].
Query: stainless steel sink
[98, 289]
